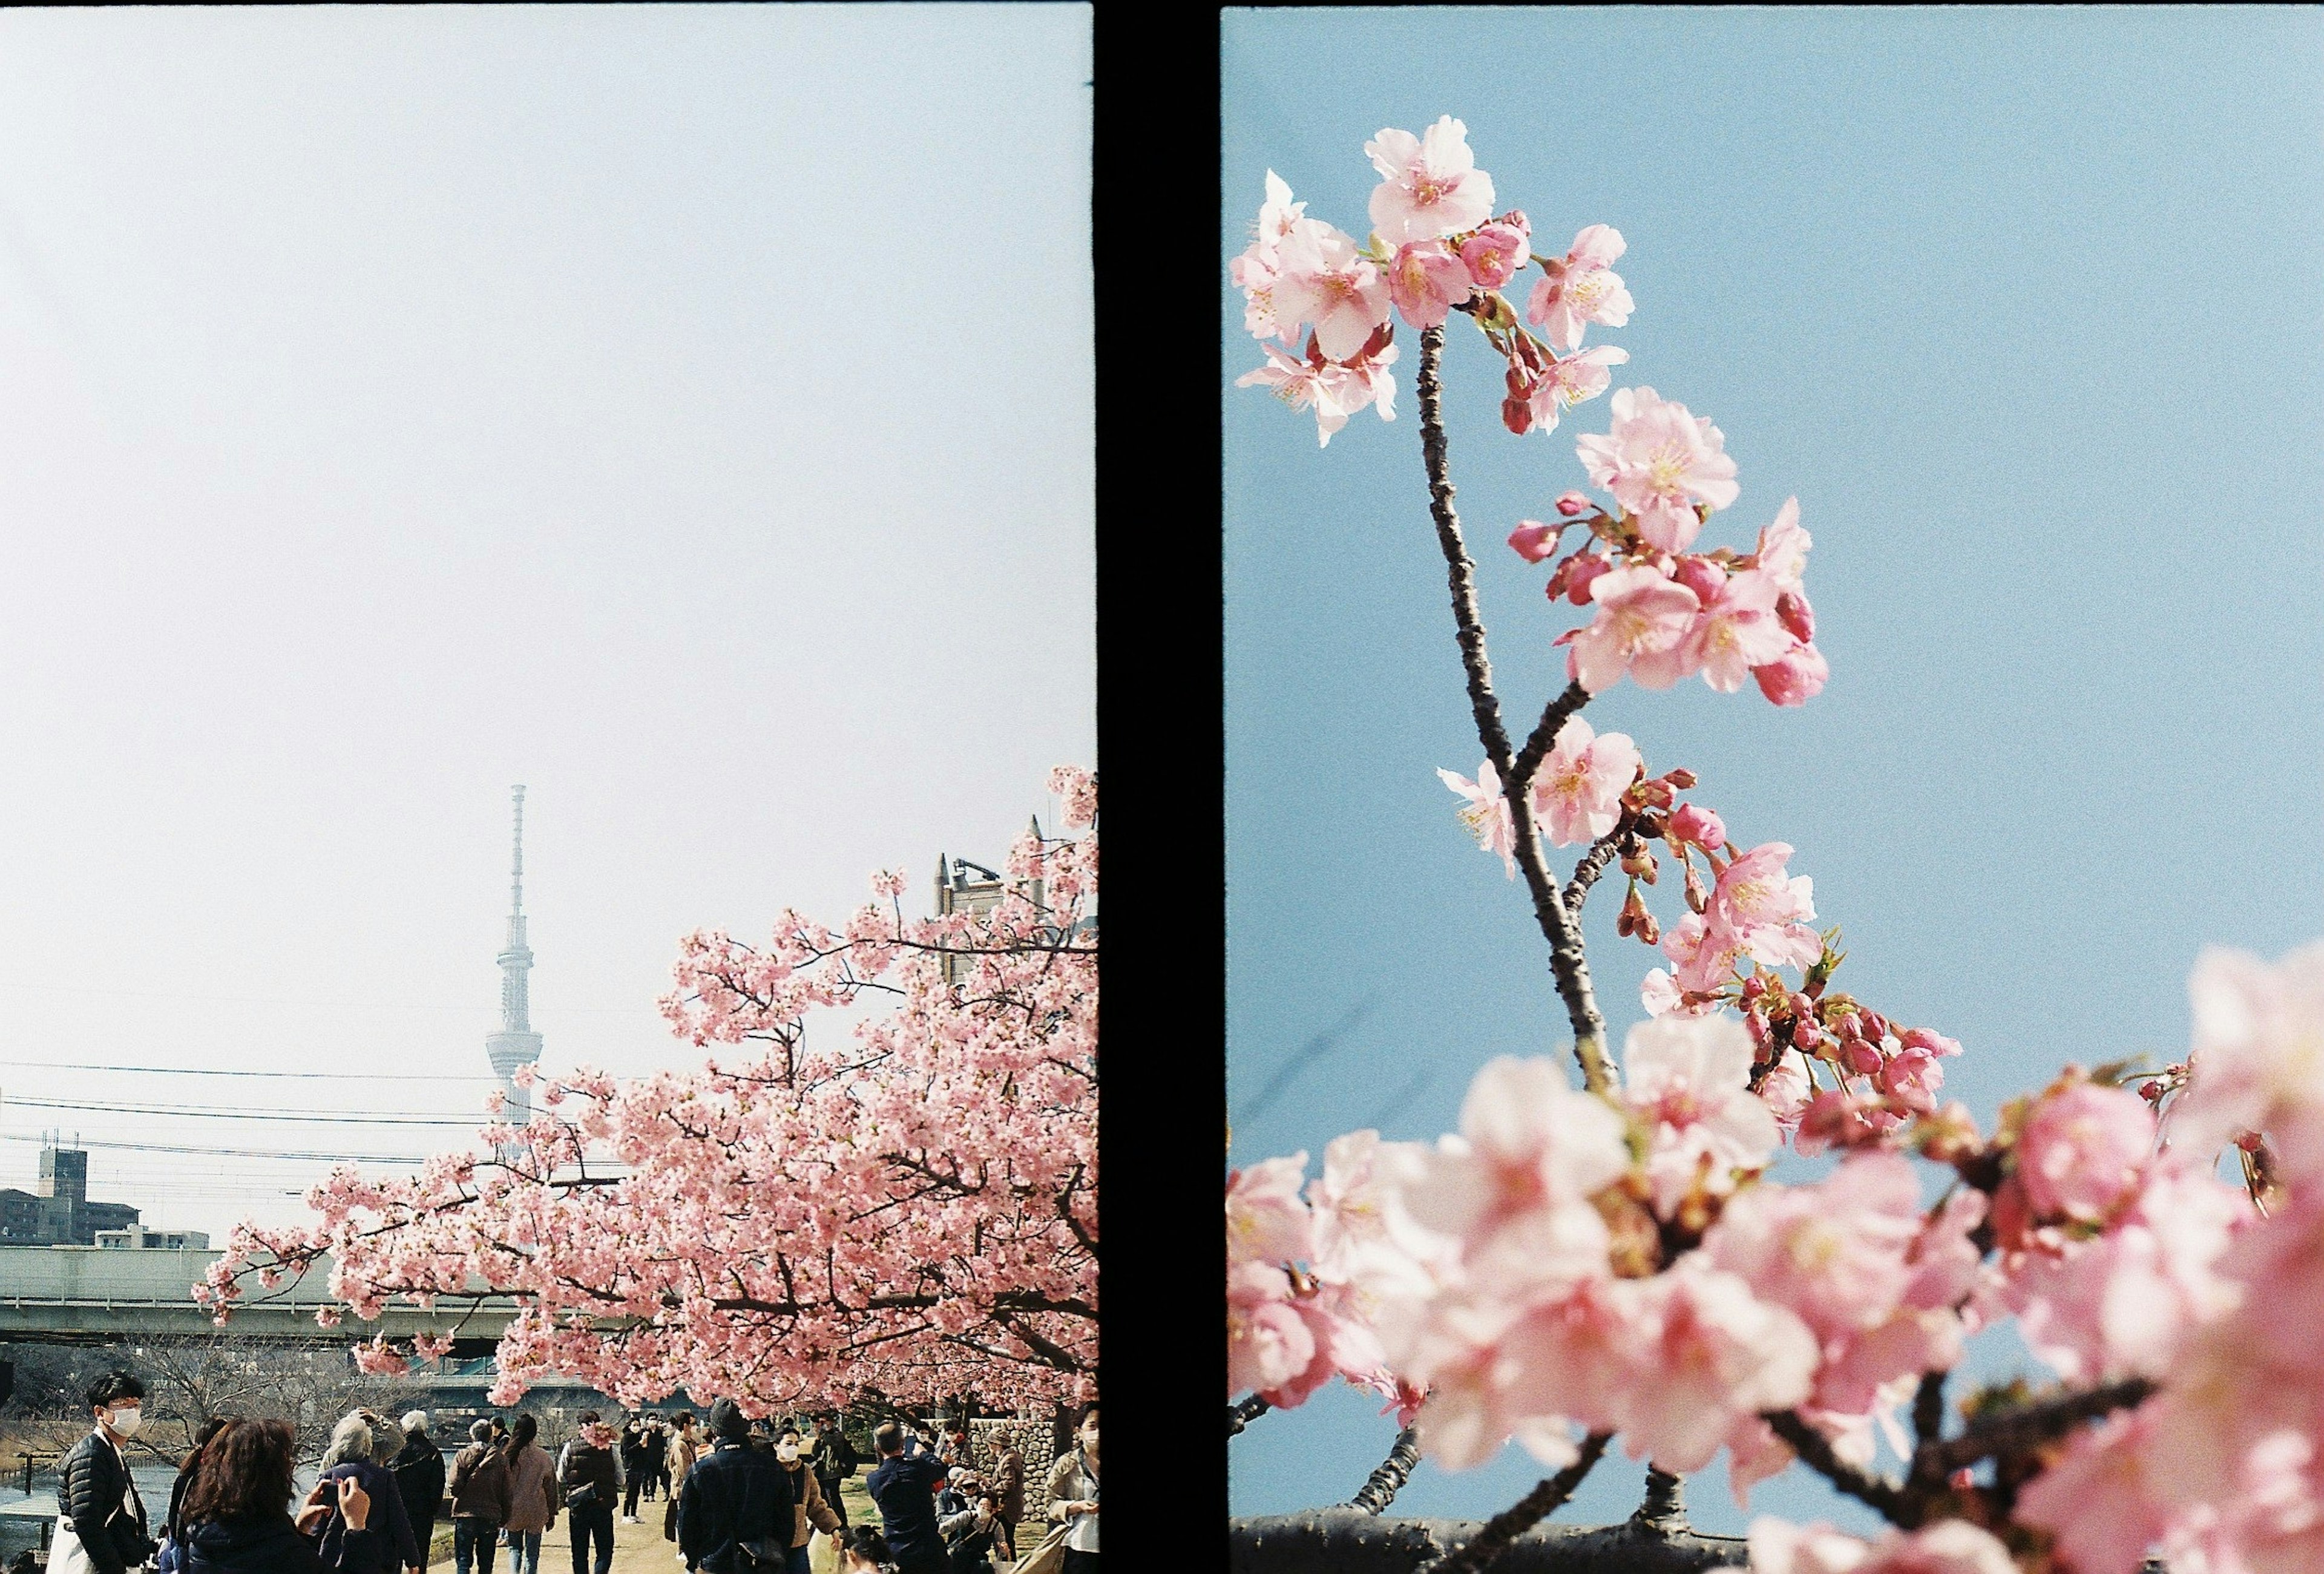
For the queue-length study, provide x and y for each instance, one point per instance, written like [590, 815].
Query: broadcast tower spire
[516, 1044]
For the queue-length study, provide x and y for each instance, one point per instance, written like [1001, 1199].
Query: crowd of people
[742, 1496]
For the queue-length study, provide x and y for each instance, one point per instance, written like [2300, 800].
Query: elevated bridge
[80, 1295]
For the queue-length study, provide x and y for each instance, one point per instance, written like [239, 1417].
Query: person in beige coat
[533, 1497]
[809, 1512]
[685, 1448]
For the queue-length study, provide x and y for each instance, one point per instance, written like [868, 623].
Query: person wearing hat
[419, 1471]
[736, 1510]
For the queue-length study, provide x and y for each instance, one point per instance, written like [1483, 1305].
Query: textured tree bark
[1345, 1541]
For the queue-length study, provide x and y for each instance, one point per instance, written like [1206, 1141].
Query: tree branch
[2027, 1424]
[1380, 1489]
[1479, 1553]
[1568, 964]
[1894, 1504]
[1242, 1415]
[1594, 864]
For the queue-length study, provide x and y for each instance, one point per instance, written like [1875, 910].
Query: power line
[50, 1065]
[331, 1118]
[359, 1158]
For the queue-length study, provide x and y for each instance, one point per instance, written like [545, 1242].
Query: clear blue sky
[2026, 306]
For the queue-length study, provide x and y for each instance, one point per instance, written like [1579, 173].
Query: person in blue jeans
[479, 1493]
[905, 1491]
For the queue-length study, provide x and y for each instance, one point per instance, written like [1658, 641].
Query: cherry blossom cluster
[1436, 248]
[905, 1206]
[1663, 613]
[1615, 1259]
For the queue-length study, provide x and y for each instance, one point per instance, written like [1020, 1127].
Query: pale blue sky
[683, 411]
[2025, 306]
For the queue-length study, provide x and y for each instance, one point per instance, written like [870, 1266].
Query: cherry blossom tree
[906, 1209]
[1611, 1264]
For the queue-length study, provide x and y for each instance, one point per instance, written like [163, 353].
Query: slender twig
[1239, 1416]
[2027, 1424]
[1381, 1488]
[1478, 1552]
[1568, 964]
[1594, 864]
[1893, 1503]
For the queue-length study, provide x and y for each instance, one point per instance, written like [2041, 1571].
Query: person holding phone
[236, 1509]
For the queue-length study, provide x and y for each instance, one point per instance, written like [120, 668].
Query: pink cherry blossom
[1564, 384]
[1474, 1402]
[1795, 678]
[1581, 289]
[1659, 461]
[1534, 541]
[1322, 279]
[1266, 1219]
[2082, 1150]
[1512, 1187]
[1688, 1080]
[1496, 252]
[1949, 1546]
[1697, 827]
[674, 1263]
[1764, 911]
[1641, 615]
[1487, 812]
[1333, 391]
[2258, 1056]
[1430, 185]
[1782, 553]
[1577, 789]
[1427, 280]
[1255, 269]
[1737, 631]
[1708, 1355]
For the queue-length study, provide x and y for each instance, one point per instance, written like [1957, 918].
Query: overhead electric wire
[333, 1118]
[50, 1065]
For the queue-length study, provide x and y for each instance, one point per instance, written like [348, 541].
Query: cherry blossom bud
[1876, 1026]
[1534, 541]
[1573, 504]
[1636, 920]
[1587, 567]
[1697, 898]
[1859, 1057]
[1754, 986]
[2152, 1092]
[1848, 1025]
[1701, 576]
[1756, 1025]
[1495, 312]
[1516, 414]
[1680, 778]
[1697, 827]
[1791, 610]
[1638, 863]
[2250, 1141]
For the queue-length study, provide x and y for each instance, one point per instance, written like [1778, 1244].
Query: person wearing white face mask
[101, 1526]
[810, 1513]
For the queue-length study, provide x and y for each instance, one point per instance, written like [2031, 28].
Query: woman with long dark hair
[531, 1494]
[237, 1508]
[173, 1529]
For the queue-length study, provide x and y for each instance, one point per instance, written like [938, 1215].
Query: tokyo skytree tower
[516, 1044]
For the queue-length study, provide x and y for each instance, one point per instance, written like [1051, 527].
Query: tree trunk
[1346, 1540]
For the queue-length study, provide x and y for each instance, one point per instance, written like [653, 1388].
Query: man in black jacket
[834, 1460]
[589, 1473]
[419, 1470]
[735, 1511]
[96, 1501]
